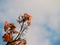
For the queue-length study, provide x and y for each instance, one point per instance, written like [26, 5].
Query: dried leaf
[12, 26]
[14, 43]
[27, 16]
[23, 42]
[6, 25]
[28, 23]
[7, 37]
[15, 31]
[19, 21]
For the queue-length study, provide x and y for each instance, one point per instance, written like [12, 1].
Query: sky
[45, 27]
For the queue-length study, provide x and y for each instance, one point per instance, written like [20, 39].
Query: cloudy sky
[45, 27]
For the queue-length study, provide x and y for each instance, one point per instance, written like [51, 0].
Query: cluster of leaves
[10, 29]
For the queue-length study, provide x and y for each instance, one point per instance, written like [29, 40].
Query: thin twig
[20, 30]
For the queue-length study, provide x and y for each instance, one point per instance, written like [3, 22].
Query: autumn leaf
[7, 37]
[28, 23]
[6, 26]
[14, 43]
[15, 31]
[23, 42]
[27, 16]
[12, 26]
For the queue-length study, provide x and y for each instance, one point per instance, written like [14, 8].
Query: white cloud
[42, 11]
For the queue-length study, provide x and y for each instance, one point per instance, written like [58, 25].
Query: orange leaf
[27, 16]
[14, 43]
[28, 23]
[6, 25]
[15, 31]
[12, 26]
[7, 37]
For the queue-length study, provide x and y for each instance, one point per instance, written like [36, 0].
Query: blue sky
[45, 27]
